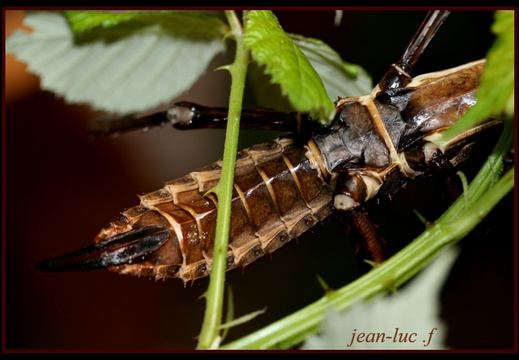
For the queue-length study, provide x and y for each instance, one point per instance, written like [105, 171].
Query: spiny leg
[187, 116]
[366, 241]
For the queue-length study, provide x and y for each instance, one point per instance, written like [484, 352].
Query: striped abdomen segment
[279, 193]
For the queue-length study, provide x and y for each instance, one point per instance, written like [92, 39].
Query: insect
[375, 145]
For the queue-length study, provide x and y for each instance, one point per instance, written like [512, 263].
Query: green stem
[209, 336]
[452, 226]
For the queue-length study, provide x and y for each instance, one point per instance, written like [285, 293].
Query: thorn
[327, 289]
[203, 295]
[389, 284]
[372, 263]
[424, 221]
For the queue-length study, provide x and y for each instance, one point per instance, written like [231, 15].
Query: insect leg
[366, 239]
[368, 244]
[187, 116]
[399, 74]
[114, 126]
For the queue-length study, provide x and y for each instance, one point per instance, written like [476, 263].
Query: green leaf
[131, 67]
[194, 22]
[501, 65]
[496, 90]
[82, 20]
[266, 93]
[286, 64]
[339, 78]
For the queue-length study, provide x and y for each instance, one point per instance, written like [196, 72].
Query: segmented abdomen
[279, 193]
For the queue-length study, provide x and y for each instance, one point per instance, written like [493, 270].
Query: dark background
[61, 189]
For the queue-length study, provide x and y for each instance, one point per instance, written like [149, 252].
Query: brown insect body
[279, 193]
[376, 144]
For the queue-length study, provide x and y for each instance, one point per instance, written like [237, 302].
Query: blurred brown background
[61, 189]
